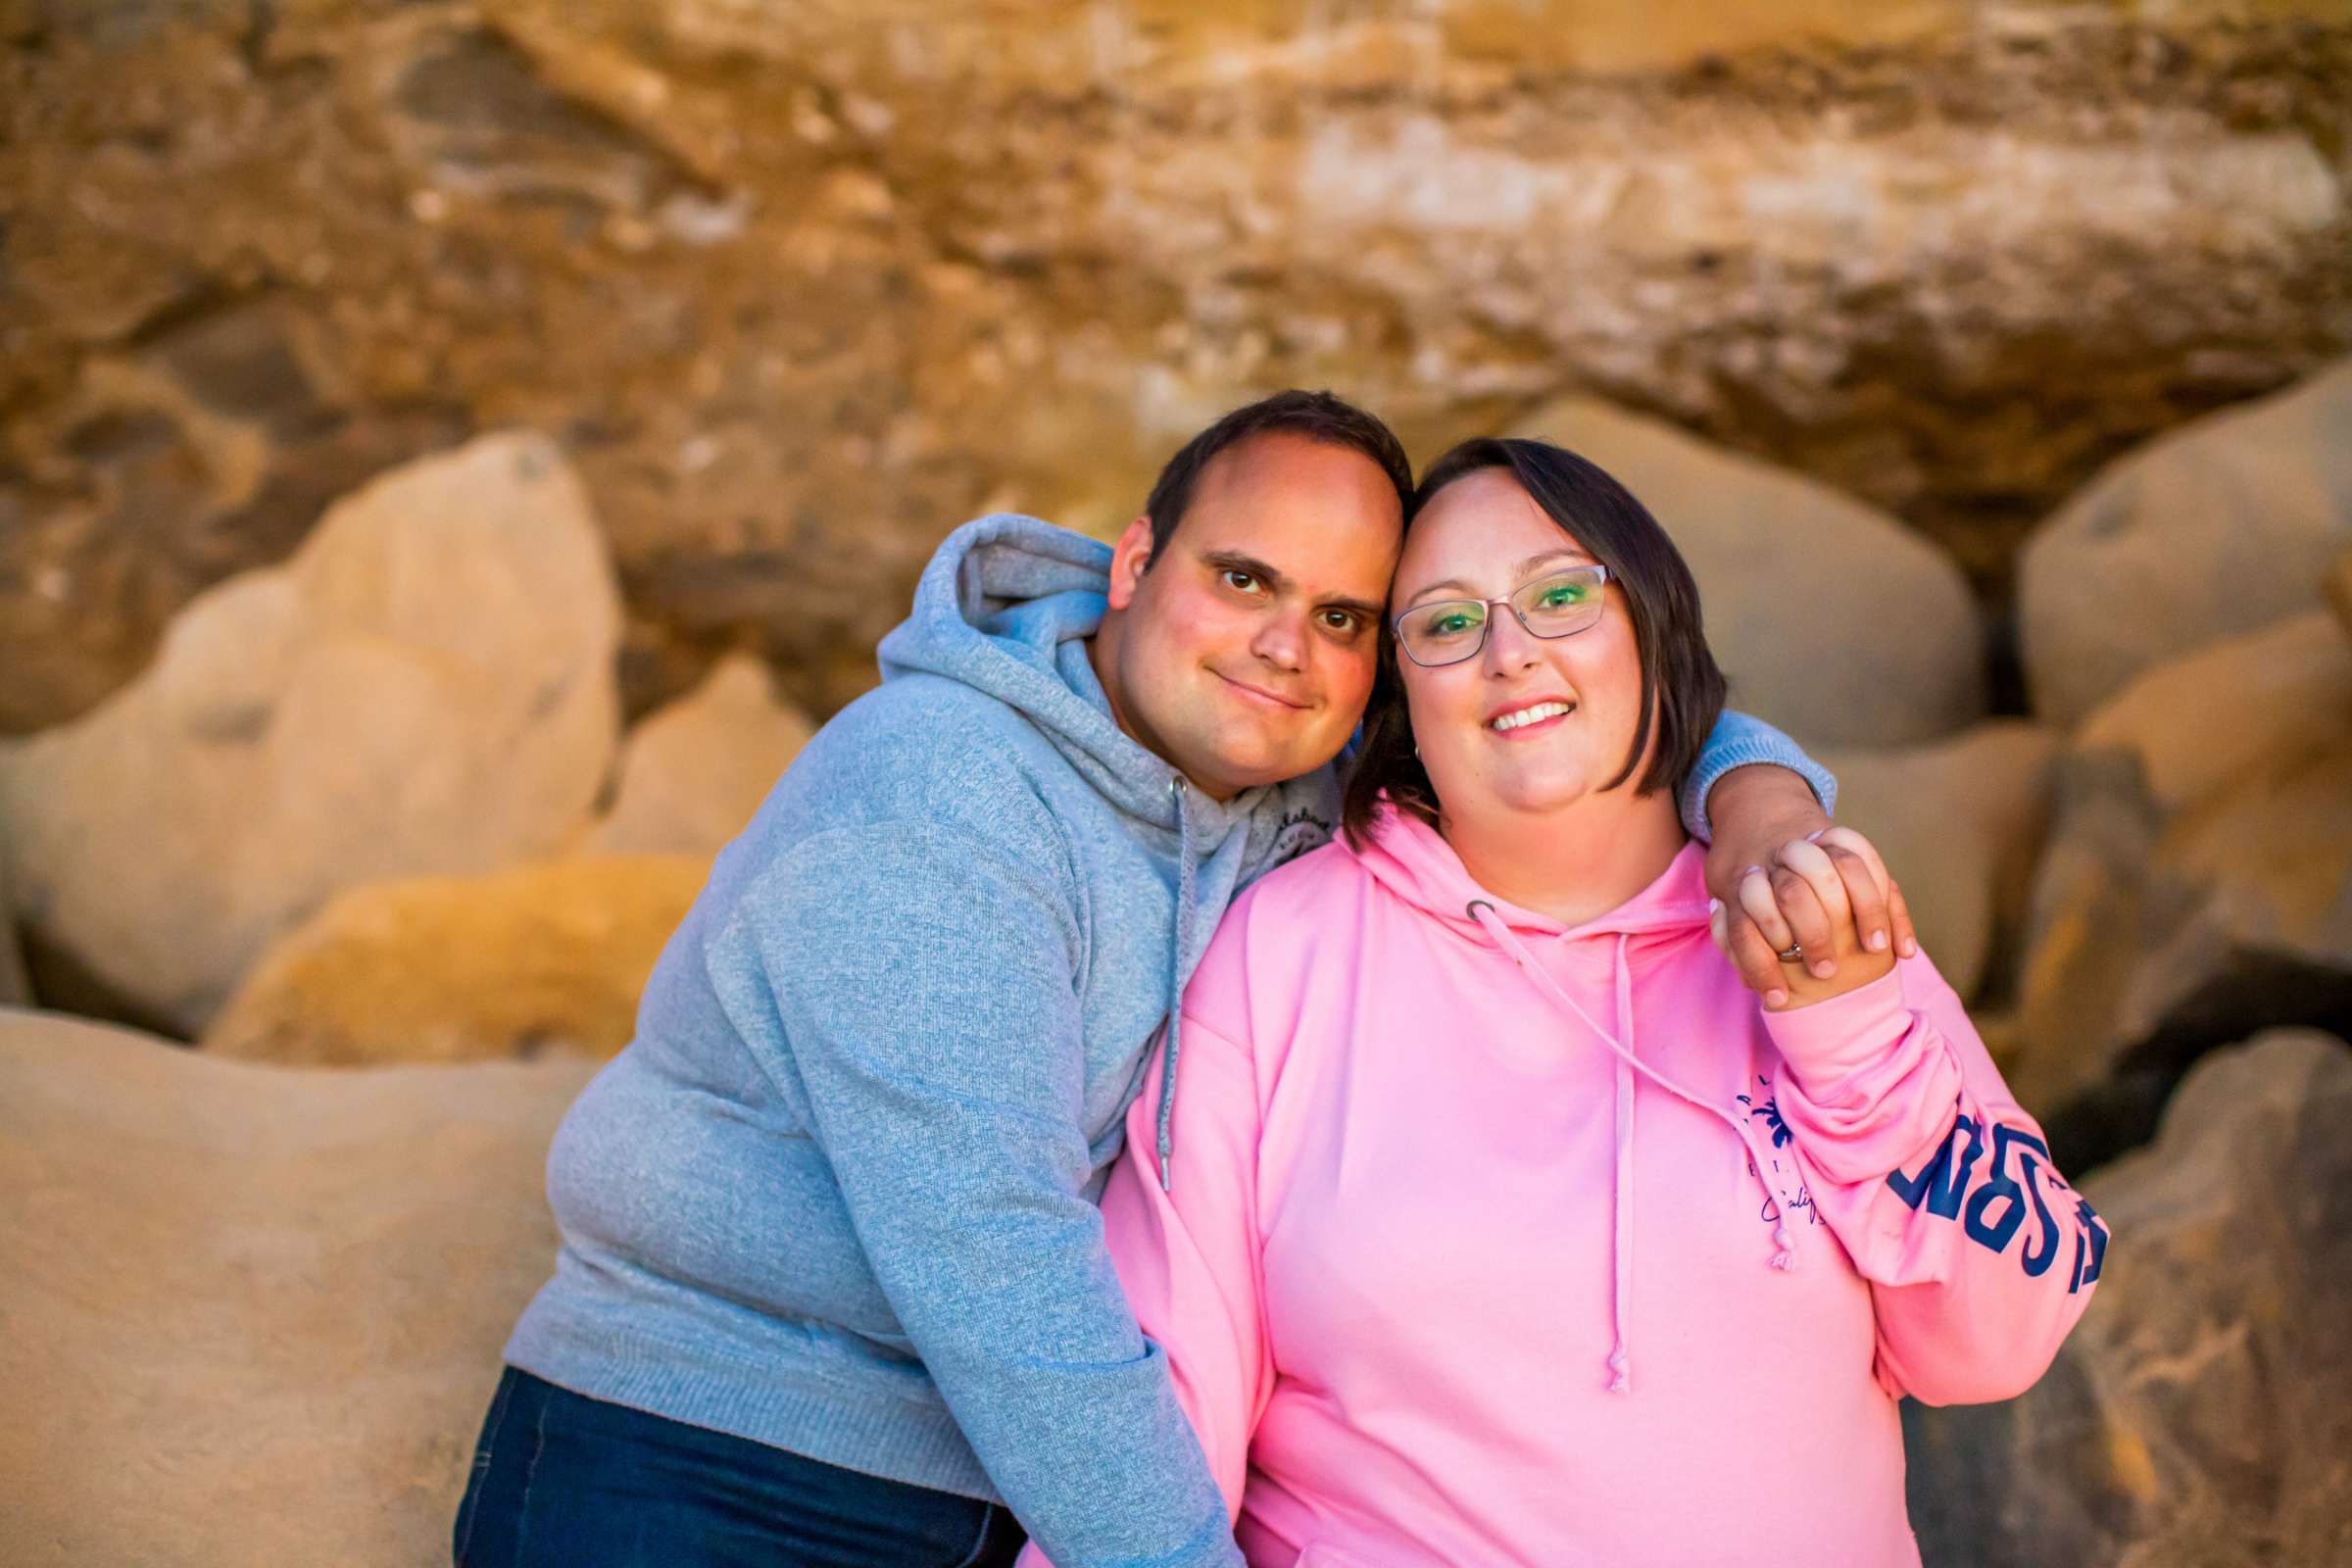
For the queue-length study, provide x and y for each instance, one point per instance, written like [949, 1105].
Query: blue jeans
[560, 1481]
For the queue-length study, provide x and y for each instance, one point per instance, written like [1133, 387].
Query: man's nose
[1281, 640]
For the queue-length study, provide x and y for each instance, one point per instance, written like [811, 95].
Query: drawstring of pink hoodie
[1620, 1042]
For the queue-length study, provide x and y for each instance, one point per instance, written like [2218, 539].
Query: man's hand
[1784, 876]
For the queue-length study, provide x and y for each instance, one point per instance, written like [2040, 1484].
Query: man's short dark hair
[1677, 670]
[1315, 415]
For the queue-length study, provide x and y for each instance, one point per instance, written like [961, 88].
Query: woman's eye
[1564, 595]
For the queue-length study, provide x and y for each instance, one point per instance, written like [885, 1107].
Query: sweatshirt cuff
[1740, 741]
[1839, 1051]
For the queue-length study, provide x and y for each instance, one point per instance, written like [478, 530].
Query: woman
[1504, 1226]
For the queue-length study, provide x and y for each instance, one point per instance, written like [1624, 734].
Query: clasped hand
[1785, 879]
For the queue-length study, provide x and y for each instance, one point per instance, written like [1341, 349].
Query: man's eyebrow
[1234, 561]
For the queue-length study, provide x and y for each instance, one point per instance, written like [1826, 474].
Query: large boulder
[543, 958]
[2201, 724]
[425, 687]
[254, 1314]
[2216, 529]
[2201, 1412]
[2198, 877]
[1959, 822]
[1831, 619]
[693, 772]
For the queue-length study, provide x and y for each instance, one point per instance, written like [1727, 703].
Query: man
[833, 1287]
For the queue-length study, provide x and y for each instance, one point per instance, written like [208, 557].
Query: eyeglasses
[1446, 631]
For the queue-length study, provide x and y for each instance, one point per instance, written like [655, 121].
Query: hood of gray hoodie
[1007, 606]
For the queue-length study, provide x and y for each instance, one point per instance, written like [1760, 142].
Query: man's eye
[1238, 580]
[1342, 620]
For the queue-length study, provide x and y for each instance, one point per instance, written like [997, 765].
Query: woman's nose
[1509, 646]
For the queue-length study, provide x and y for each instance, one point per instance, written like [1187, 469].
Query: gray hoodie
[838, 1195]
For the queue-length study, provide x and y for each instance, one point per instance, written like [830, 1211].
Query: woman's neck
[1573, 864]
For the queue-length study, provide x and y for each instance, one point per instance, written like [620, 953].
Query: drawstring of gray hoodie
[1171, 1043]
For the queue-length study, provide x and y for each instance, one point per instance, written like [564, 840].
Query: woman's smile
[1526, 719]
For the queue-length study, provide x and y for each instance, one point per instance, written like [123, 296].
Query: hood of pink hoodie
[1406, 855]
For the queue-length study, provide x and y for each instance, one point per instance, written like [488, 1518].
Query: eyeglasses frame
[1396, 621]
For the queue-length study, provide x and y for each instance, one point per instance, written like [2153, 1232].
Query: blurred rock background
[453, 450]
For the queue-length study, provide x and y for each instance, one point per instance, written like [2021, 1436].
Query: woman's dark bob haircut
[1681, 690]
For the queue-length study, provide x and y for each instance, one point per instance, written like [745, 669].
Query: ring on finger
[1793, 953]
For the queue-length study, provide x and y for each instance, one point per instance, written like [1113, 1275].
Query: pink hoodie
[1494, 1242]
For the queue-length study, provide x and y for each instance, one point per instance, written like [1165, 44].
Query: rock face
[271, 1300]
[425, 687]
[2199, 878]
[800, 287]
[692, 774]
[1960, 822]
[541, 958]
[2201, 1413]
[2210, 532]
[1829, 618]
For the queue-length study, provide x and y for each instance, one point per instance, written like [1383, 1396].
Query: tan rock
[2277, 854]
[2194, 886]
[693, 772]
[425, 687]
[2086, 936]
[2202, 722]
[2212, 531]
[546, 958]
[1959, 822]
[254, 1314]
[1831, 619]
[2201, 1412]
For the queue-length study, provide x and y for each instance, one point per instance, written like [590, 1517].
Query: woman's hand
[1824, 865]
[1784, 876]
